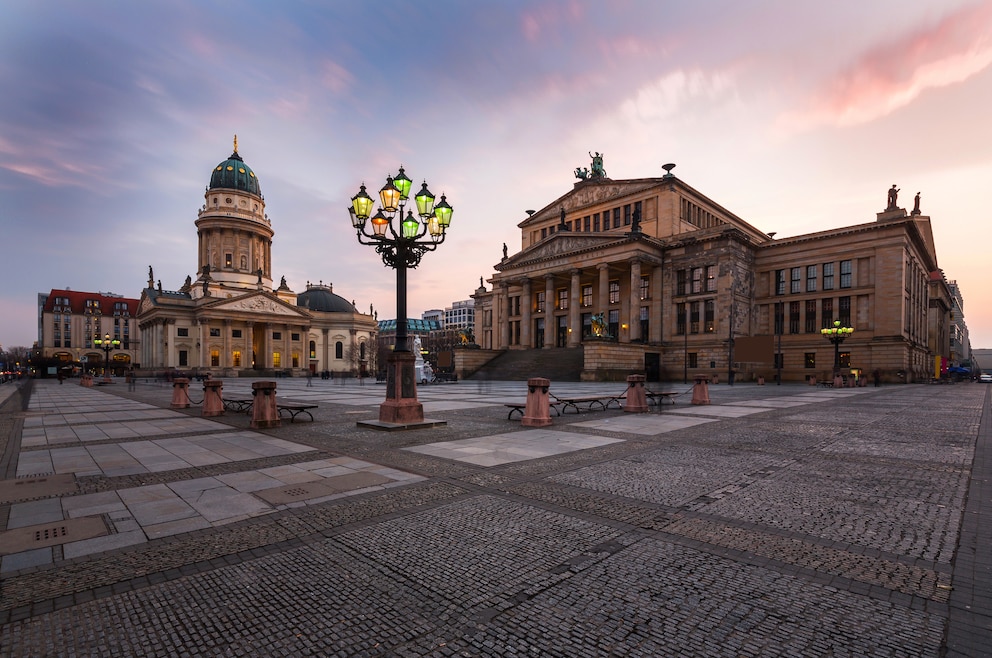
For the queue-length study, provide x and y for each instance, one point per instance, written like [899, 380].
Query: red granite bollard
[86, 380]
[213, 397]
[537, 413]
[637, 399]
[180, 393]
[812, 381]
[264, 411]
[761, 380]
[701, 391]
[838, 381]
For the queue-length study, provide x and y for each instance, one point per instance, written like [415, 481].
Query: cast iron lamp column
[107, 345]
[836, 335]
[401, 246]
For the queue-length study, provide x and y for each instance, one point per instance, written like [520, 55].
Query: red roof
[78, 299]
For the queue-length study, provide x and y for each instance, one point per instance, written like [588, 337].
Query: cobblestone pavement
[777, 521]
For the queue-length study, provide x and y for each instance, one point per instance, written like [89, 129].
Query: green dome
[234, 174]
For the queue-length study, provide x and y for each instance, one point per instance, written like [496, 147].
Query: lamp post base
[402, 409]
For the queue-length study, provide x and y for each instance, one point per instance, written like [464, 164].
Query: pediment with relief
[560, 244]
[587, 195]
[258, 303]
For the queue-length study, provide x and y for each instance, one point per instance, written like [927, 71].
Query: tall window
[276, 360]
[313, 349]
[693, 360]
[680, 319]
[694, 317]
[587, 295]
[809, 359]
[811, 327]
[540, 302]
[845, 274]
[811, 278]
[793, 317]
[709, 316]
[339, 350]
[236, 358]
[645, 287]
[797, 273]
[844, 311]
[828, 276]
[779, 318]
[614, 292]
[680, 282]
[183, 358]
[711, 278]
[644, 323]
[616, 218]
[613, 322]
[626, 214]
[562, 299]
[697, 280]
[827, 315]
[595, 222]
[779, 282]
[215, 358]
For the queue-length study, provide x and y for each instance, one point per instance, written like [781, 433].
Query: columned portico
[549, 311]
[525, 317]
[634, 314]
[574, 321]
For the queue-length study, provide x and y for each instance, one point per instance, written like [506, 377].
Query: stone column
[525, 303]
[287, 357]
[550, 329]
[325, 359]
[603, 301]
[203, 336]
[246, 361]
[655, 312]
[634, 315]
[501, 308]
[574, 319]
[225, 357]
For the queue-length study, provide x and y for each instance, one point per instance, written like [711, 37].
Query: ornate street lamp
[106, 344]
[401, 245]
[836, 335]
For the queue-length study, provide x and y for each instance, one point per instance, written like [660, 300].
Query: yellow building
[231, 319]
[649, 275]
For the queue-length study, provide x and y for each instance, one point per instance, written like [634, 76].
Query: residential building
[70, 320]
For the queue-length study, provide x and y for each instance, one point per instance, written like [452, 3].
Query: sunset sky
[796, 116]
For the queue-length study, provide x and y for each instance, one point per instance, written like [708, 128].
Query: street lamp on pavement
[401, 245]
[836, 335]
[107, 345]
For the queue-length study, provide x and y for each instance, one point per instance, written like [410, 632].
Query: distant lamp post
[107, 345]
[836, 335]
[401, 244]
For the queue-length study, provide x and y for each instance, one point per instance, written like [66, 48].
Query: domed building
[231, 319]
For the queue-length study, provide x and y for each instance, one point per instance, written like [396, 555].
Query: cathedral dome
[234, 174]
[320, 298]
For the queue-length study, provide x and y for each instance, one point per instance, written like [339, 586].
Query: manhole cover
[37, 486]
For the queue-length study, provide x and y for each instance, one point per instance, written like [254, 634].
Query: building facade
[69, 321]
[232, 319]
[649, 275]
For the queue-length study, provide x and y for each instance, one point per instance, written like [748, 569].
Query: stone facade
[654, 265]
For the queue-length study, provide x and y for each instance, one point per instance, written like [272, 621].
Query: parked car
[985, 378]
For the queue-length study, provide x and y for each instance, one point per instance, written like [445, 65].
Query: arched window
[339, 350]
[313, 350]
[361, 351]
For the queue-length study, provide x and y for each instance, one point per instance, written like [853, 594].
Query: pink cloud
[536, 21]
[892, 76]
[335, 77]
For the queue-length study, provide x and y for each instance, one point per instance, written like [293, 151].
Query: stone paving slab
[515, 446]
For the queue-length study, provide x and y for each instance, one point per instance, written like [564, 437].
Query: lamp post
[106, 344]
[401, 246]
[836, 335]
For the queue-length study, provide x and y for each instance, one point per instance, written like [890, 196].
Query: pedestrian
[876, 376]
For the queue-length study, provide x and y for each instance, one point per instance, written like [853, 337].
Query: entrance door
[562, 334]
[652, 366]
[539, 333]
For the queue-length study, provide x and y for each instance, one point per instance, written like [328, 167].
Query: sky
[795, 115]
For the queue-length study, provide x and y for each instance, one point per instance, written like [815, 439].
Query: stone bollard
[180, 393]
[811, 381]
[538, 410]
[701, 391]
[86, 380]
[761, 380]
[838, 381]
[264, 412]
[637, 399]
[213, 397]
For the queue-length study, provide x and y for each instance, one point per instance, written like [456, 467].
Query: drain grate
[42, 535]
[37, 486]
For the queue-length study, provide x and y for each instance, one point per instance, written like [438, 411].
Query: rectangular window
[697, 280]
[616, 218]
[680, 282]
[793, 317]
[680, 319]
[544, 232]
[294, 336]
[779, 318]
[645, 287]
[539, 305]
[626, 214]
[586, 223]
[777, 360]
[614, 292]
[183, 358]
[797, 273]
[693, 360]
[845, 359]
[811, 278]
[586, 325]
[828, 276]
[182, 332]
[809, 359]
[236, 358]
[296, 359]
[811, 326]
[228, 260]
[276, 335]
[779, 282]
[844, 311]
[613, 322]
[694, 317]
[214, 358]
[562, 299]
[276, 360]
[644, 323]
[214, 332]
[845, 274]
[587, 295]
[235, 333]
[709, 316]
[595, 222]
[827, 312]
[711, 278]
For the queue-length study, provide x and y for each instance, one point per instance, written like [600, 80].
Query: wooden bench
[591, 402]
[519, 407]
[295, 409]
[658, 398]
[243, 405]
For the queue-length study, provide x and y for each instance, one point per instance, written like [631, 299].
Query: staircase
[562, 364]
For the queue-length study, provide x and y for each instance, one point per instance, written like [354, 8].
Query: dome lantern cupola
[234, 174]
